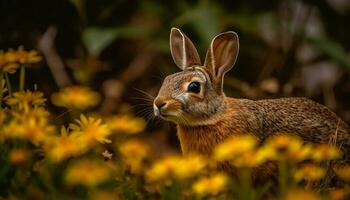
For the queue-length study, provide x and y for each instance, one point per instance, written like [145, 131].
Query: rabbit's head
[191, 97]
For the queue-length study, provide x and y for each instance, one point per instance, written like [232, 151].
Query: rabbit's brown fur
[206, 117]
[309, 120]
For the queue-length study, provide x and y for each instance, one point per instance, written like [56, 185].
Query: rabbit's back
[311, 121]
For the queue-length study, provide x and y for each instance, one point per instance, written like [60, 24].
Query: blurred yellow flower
[134, 149]
[302, 194]
[211, 185]
[88, 172]
[249, 159]
[9, 68]
[105, 195]
[339, 194]
[310, 172]
[38, 113]
[18, 156]
[324, 152]
[7, 61]
[234, 147]
[10, 56]
[286, 147]
[90, 130]
[76, 97]
[27, 57]
[36, 131]
[163, 169]
[26, 100]
[126, 124]
[58, 148]
[176, 167]
[2, 116]
[344, 172]
[134, 152]
[190, 166]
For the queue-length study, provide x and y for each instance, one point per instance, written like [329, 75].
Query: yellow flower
[76, 97]
[309, 172]
[126, 124]
[134, 152]
[7, 62]
[11, 56]
[36, 131]
[90, 173]
[175, 167]
[235, 147]
[90, 130]
[27, 57]
[324, 152]
[61, 147]
[9, 68]
[302, 194]
[163, 169]
[2, 116]
[339, 194]
[286, 147]
[18, 156]
[210, 185]
[26, 100]
[134, 149]
[344, 172]
[32, 125]
[39, 114]
[190, 166]
[105, 195]
[249, 159]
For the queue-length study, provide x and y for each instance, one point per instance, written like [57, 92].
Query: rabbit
[194, 100]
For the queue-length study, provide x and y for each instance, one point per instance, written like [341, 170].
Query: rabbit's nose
[161, 105]
[158, 105]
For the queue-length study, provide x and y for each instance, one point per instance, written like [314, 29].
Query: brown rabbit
[195, 101]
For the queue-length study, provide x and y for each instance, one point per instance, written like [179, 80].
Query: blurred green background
[121, 48]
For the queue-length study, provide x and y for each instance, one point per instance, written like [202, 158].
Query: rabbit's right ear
[182, 50]
[221, 57]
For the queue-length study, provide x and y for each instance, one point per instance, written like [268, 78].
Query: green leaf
[97, 39]
[332, 49]
[204, 17]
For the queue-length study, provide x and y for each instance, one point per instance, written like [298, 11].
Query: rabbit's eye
[194, 87]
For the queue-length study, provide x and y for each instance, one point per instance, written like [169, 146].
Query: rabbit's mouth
[164, 114]
[166, 108]
[168, 115]
[177, 117]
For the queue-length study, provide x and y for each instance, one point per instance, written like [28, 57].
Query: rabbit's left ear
[221, 56]
[182, 50]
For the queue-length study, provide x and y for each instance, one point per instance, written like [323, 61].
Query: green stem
[283, 177]
[8, 83]
[22, 78]
[246, 183]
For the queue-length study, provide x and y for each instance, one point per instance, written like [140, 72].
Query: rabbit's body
[313, 122]
[195, 101]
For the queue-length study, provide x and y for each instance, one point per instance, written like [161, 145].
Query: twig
[54, 61]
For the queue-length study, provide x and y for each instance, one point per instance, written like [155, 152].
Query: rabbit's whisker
[144, 99]
[145, 93]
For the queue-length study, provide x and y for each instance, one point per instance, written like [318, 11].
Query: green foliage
[333, 50]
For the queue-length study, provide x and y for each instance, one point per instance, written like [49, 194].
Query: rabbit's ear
[182, 50]
[221, 56]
